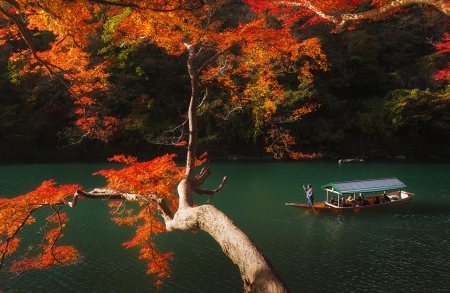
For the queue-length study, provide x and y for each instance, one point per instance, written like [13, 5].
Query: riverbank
[394, 148]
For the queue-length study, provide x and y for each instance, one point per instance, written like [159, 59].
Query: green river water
[399, 249]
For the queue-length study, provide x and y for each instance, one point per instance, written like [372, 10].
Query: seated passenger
[342, 202]
[377, 200]
[386, 198]
[351, 201]
[333, 200]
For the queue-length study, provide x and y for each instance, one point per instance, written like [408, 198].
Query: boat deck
[397, 198]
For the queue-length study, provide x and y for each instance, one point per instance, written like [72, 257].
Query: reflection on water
[399, 249]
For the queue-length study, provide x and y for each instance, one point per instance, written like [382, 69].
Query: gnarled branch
[211, 193]
[342, 19]
[131, 197]
[200, 178]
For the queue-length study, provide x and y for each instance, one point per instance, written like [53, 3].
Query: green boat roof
[371, 185]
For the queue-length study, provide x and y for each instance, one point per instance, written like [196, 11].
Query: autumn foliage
[157, 178]
[17, 212]
[444, 47]
[243, 60]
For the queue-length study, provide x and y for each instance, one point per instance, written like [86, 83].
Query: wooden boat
[373, 193]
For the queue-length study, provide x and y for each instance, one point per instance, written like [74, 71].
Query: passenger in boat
[386, 198]
[351, 201]
[377, 200]
[361, 199]
[366, 202]
[333, 200]
[342, 203]
[309, 194]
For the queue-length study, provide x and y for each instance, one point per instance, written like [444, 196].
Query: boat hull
[322, 207]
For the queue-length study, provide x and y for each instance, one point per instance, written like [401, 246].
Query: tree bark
[256, 271]
[192, 113]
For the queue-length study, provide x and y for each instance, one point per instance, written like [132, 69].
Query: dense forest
[379, 96]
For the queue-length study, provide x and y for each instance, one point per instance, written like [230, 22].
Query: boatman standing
[309, 194]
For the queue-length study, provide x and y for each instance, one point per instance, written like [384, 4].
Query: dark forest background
[378, 99]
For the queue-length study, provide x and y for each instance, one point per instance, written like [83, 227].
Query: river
[399, 249]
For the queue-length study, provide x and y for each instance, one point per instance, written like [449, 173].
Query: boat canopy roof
[371, 185]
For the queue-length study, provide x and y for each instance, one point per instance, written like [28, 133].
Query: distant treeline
[377, 99]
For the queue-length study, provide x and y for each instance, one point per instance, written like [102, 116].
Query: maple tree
[243, 59]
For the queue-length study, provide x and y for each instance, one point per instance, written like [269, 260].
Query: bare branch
[341, 20]
[12, 3]
[59, 233]
[167, 139]
[131, 197]
[204, 174]
[205, 97]
[213, 58]
[211, 193]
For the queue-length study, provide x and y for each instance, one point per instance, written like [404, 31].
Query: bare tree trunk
[192, 113]
[256, 271]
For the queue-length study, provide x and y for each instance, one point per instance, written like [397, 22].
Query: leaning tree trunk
[256, 271]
